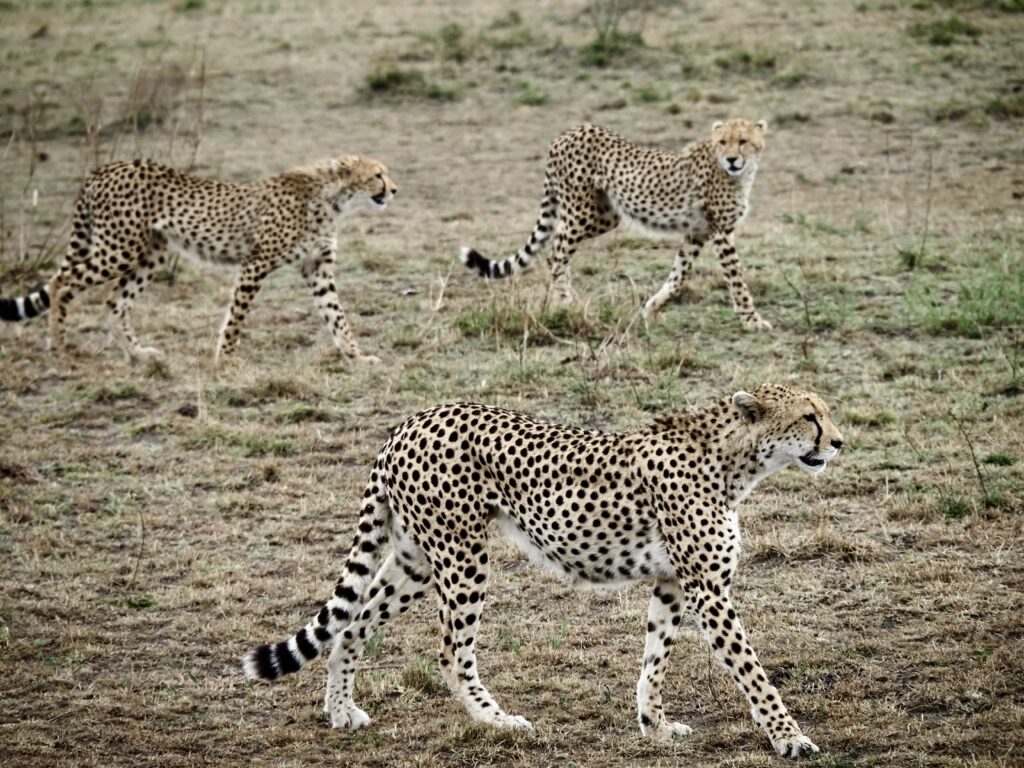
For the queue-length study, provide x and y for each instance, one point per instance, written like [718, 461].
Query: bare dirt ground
[158, 520]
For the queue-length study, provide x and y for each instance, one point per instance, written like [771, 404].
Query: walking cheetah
[594, 180]
[128, 215]
[658, 504]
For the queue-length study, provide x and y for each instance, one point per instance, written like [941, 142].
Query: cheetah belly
[639, 556]
[658, 221]
[218, 252]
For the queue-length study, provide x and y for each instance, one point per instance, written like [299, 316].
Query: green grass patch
[1006, 109]
[943, 33]
[609, 46]
[396, 82]
[999, 460]
[532, 96]
[873, 419]
[107, 395]
[302, 413]
[261, 446]
[650, 94]
[993, 300]
[953, 507]
[543, 327]
[421, 675]
[747, 62]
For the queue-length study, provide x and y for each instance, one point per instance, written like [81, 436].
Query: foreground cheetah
[594, 180]
[128, 215]
[657, 504]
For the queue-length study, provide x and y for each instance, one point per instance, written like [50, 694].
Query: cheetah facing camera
[128, 215]
[657, 504]
[594, 180]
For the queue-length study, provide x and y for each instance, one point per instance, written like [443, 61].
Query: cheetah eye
[721, 142]
[812, 417]
[742, 142]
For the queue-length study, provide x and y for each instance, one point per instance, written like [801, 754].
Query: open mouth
[810, 461]
[379, 199]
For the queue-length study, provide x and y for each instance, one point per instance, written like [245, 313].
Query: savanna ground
[158, 520]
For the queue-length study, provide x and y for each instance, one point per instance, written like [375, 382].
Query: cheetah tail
[524, 257]
[274, 660]
[25, 307]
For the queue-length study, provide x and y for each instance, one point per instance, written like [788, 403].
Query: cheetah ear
[750, 407]
[716, 125]
[763, 125]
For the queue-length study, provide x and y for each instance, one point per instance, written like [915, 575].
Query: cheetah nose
[837, 444]
[731, 160]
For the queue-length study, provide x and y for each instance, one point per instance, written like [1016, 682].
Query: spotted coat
[657, 504]
[595, 179]
[129, 215]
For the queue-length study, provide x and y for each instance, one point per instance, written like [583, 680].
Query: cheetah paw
[795, 746]
[668, 731]
[350, 718]
[512, 722]
[756, 323]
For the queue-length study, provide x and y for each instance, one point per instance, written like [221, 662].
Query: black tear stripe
[814, 420]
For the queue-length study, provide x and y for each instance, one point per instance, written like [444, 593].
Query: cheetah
[129, 215]
[595, 180]
[656, 504]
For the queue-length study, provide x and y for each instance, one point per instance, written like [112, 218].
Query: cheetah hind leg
[126, 290]
[394, 590]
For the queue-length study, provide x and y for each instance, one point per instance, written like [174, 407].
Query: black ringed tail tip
[473, 259]
[25, 307]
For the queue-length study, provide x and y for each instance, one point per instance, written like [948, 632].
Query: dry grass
[155, 521]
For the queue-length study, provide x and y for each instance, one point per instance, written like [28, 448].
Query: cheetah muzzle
[655, 504]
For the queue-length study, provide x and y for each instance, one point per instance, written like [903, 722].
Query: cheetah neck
[725, 437]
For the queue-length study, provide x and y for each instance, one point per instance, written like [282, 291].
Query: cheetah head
[738, 144]
[371, 181]
[359, 182]
[792, 427]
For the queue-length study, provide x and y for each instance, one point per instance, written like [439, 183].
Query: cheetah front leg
[663, 618]
[246, 288]
[319, 275]
[722, 629]
[129, 287]
[674, 284]
[462, 601]
[742, 302]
